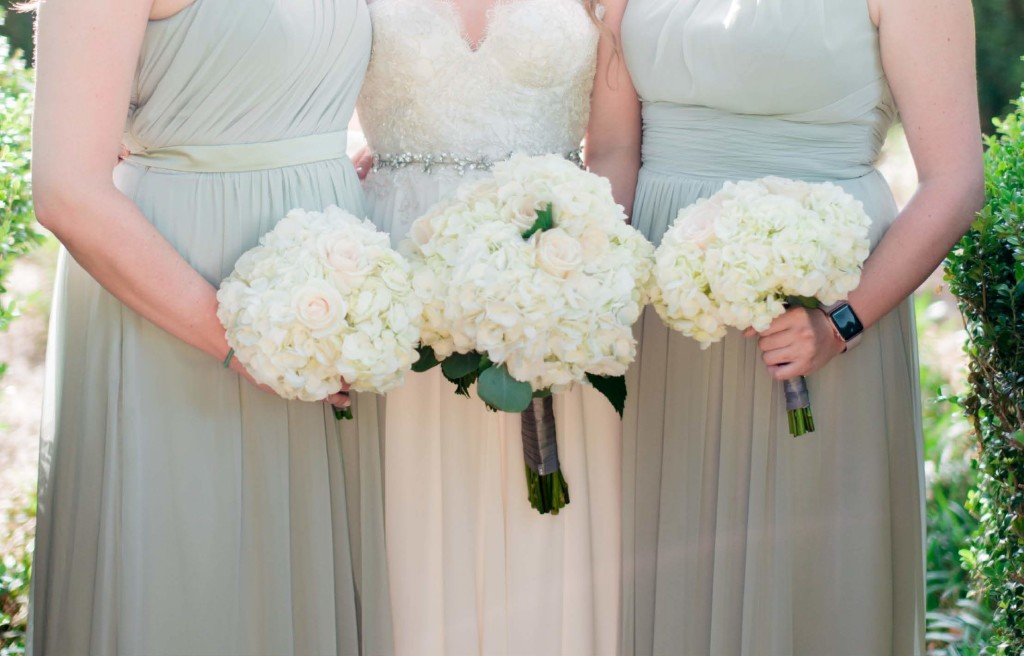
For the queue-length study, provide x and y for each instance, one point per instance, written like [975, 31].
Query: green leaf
[545, 221]
[428, 359]
[613, 388]
[500, 390]
[458, 365]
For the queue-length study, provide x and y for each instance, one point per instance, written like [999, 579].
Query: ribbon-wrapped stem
[798, 406]
[546, 487]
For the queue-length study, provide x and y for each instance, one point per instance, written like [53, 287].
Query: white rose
[558, 253]
[344, 257]
[319, 307]
[520, 211]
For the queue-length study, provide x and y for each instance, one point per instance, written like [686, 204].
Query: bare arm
[613, 133]
[86, 57]
[928, 56]
[927, 51]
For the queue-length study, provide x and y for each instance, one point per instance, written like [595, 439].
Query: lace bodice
[526, 88]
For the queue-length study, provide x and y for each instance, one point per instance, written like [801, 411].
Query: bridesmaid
[738, 538]
[182, 509]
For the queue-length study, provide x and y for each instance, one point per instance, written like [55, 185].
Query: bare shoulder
[924, 13]
[163, 9]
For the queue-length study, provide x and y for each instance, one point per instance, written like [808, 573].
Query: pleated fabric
[737, 537]
[181, 510]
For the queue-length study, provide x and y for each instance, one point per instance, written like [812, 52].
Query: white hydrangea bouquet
[322, 297]
[738, 258]
[531, 282]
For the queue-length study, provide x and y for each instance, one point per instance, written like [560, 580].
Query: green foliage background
[1000, 36]
[986, 272]
[18, 234]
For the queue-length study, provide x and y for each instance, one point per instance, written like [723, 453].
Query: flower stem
[548, 493]
[801, 422]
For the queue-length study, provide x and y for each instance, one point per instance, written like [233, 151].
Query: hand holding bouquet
[738, 258]
[322, 298]
[531, 281]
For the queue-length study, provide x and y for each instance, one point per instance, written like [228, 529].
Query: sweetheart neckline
[452, 16]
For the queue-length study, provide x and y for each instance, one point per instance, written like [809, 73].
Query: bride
[453, 87]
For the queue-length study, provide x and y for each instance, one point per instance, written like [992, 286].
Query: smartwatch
[844, 322]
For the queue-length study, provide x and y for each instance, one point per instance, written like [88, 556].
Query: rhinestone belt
[430, 161]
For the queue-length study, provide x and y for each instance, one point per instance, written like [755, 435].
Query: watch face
[846, 322]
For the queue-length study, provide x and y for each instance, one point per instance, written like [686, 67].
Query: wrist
[837, 339]
[844, 323]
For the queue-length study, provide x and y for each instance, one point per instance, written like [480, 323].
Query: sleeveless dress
[739, 539]
[182, 510]
[473, 568]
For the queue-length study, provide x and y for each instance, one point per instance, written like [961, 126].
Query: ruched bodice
[224, 72]
[428, 91]
[752, 88]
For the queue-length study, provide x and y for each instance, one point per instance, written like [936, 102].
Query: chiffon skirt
[182, 510]
[740, 539]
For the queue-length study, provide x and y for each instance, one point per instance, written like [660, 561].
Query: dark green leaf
[458, 365]
[613, 388]
[427, 360]
[545, 221]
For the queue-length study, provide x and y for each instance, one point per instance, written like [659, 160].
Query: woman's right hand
[338, 400]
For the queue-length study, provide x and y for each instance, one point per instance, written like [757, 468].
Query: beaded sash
[461, 164]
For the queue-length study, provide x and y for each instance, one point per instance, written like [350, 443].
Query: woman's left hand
[798, 343]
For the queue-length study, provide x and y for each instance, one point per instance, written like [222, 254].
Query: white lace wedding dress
[473, 568]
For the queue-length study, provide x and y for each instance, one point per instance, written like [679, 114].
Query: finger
[775, 341]
[781, 356]
[791, 318]
[787, 371]
[749, 332]
[345, 387]
[339, 400]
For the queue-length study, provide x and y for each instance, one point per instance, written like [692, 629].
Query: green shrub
[16, 547]
[18, 234]
[18, 28]
[986, 272]
[957, 624]
[1000, 37]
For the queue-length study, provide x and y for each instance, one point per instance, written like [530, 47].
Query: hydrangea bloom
[733, 259]
[553, 306]
[322, 297]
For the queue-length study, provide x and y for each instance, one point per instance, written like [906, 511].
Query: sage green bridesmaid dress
[182, 510]
[739, 539]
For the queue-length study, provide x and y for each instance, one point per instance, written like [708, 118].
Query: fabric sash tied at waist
[236, 158]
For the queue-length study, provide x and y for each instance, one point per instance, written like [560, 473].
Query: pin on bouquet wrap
[321, 298]
[739, 258]
[531, 282]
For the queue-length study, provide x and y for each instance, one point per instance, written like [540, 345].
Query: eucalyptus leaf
[500, 390]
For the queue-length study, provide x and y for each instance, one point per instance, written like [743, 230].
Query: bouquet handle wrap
[546, 487]
[798, 406]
